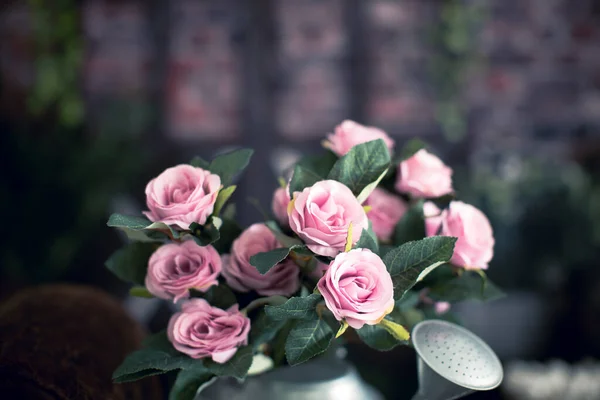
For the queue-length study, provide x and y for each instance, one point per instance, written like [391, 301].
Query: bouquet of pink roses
[362, 238]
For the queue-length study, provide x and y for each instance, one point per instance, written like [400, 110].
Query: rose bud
[279, 205]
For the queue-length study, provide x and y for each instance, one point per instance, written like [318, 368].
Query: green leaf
[228, 232]
[295, 308]
[411, 147]
[128, 222]
[222, 197]
[302, 178]
[409, 300]
[130, 263]
[368, 240]
[307, 339]
[188, 382]
[208, 233]
[218, 296]
[228, 165]
[468, 286]
[264, 261]
[264, 329]
[410, 262]
[377, 337]
[319, 164]
[362, 165]
[275, 300]
[199, 162]
[366, 192]
[384, 249]
[411, 226]
[237, 366]
[140, 291]
[156, 358]
[142, 236]
[282, 238]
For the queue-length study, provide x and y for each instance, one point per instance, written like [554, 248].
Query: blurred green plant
[62, 173]
[454, 39]
[544, 212]
[58, 49]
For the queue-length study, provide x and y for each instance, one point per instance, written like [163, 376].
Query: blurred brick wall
[539, 81]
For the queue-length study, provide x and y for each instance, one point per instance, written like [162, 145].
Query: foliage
[300, 327]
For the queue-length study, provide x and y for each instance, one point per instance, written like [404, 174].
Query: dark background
[97, 97]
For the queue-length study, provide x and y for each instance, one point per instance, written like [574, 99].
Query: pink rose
[282, 279]
[474, 248]
[279, 204]
[441, 307]
[433, 218]
[386, 210]
[175, 268]
[349, 133]
[357, 288]
[321, 214]
[424, 175]
[201, 331]
[182, 195]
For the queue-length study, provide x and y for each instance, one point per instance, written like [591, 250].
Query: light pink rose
[474, 248]
[349, 133]
[386, 210]
[424, 175]
[182, 195]
[321, 214]
[175, 268]
[282, 279]
[357, 288]
[441, 307]
[279, 204]
[201, 331]
[433, 218]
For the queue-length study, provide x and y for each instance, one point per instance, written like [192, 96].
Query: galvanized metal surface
[322, 379]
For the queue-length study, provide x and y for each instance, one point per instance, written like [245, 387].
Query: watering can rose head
[357, 288]
[182, 195]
